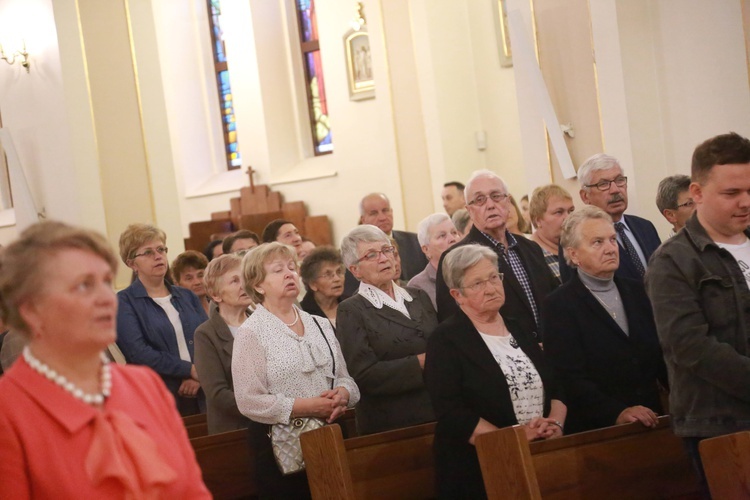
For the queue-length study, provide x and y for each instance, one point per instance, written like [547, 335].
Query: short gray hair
[570, 237]
[458, 260]
[362, 201]
[669, 190]
[482, 174]
[360, 234]
[595, 163]
[461, 219]
[426, 225]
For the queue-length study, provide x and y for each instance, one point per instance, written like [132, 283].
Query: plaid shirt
[514, 261]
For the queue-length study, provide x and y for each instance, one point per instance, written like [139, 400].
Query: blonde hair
[540, 200]
[22, 263]
[217, 268]
[137, 235]
[253, 266]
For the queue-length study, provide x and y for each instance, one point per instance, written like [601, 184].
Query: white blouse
[378, 298]
[272, 365]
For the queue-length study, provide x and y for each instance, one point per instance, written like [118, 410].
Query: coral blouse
[55, 446]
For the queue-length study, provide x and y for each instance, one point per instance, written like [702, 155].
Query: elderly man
[604, 185]
[527, 278]
[698, 284]
[674, 202]
[453, 197]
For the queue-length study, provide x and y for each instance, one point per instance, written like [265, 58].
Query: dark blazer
[603, 370]
[646, 237]
[213, 360]
[310, 306]
[517, 307]
[380, 348]
[413, 258]
[146, 337]
[466, 383]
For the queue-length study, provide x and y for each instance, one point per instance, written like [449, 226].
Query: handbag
[285, 443]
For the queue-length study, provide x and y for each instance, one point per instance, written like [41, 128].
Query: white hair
[595, 163]
[362, 201]
[426, 225]
[482, 174]
[360, 234]
[570, 235]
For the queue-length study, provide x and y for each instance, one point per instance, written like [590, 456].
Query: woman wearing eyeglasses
[383, 332]
[322, 273]
[482, 373]
[156, 320]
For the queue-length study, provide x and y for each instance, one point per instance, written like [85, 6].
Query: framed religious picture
[359, 64]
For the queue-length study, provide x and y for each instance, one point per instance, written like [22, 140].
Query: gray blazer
[380, 348]
[213, 361]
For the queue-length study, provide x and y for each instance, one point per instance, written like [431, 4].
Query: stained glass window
[316, 92]
[229, 126]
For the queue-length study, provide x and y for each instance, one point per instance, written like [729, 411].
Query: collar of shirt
[508, 235]
[378, 298]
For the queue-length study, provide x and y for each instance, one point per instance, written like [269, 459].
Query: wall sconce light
[22, 55]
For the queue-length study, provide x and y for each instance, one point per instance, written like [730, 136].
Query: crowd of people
[495, 313]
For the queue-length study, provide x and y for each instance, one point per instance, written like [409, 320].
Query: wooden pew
[625, 461]
[227, 464]
[726, 462]
[394, 465]
[196, 425]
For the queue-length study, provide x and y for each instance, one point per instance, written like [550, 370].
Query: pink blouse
[55, 446]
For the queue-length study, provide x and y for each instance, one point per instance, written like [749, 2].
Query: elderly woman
[214, 341]
[156, 320]
[187, 271]
[599, 332]
[286, 363]
[483, 373]
[72, 425]
[436, 233]
[323, 275]
[548, 208]
[383, 331]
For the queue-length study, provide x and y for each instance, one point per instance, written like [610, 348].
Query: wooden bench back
[196, 425]
[227, 464]
[626, 461]
[726, 462]
[396, 464]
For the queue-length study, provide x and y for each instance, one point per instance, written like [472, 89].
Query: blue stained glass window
[316, 92]
[226, 100]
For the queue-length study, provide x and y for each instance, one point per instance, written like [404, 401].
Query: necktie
[630, 249]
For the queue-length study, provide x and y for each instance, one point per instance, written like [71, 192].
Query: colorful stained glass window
[232, 150]
[316, 92]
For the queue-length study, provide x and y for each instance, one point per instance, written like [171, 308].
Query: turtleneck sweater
[605, 292]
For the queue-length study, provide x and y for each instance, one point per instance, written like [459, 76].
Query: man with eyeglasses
[527, 278]
[674, 201]
[604, 185]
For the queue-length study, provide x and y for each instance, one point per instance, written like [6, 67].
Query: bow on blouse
[121, 450]
[313, 357]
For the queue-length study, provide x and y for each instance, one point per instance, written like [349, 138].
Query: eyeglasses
[495, 196]
[603, 185]
[152, 253]
[329, 275]
[373, 255]
[689, 203]
[481, 285]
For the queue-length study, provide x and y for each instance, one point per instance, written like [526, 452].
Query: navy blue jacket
[146, 337]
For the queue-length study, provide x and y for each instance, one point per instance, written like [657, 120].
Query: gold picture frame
[501, 32]
[359, 64]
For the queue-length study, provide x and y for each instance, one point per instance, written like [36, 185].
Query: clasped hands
[190, 386]
[331, 404]
[542, 428]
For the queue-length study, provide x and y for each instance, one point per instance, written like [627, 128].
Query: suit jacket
[603, 370]
[213, 360]
[380, 348]
[465, 383]
[413, 258]
[646, 237]
[517, 307]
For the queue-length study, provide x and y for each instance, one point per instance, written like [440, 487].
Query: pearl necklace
[52, 375]
[296, 318]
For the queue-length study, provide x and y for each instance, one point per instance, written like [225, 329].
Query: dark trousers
[271, 482]
[691, 446]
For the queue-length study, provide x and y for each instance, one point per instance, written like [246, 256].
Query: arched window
[229, 125]
[315, 82]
